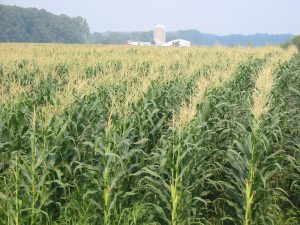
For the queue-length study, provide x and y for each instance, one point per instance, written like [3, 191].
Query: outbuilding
[178, 43]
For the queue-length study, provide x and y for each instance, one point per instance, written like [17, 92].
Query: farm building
[159, 35]
[178, 43]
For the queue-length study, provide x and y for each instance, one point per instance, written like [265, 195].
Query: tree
[296, 42]
[19, 24]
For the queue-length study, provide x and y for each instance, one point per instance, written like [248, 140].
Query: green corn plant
[285, 98]
[11, 198]
[17, 180]
[221, 129]
[86, 137]
[176, 161]
[255, 164]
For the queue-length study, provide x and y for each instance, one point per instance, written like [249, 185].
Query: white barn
[178, 43]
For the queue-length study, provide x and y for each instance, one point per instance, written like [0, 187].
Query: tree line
[19, 24]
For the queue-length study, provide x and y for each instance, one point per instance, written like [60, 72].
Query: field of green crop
[135, 136]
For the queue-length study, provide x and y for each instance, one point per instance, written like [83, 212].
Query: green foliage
[32, 25]
[99, 162]
[296, 42]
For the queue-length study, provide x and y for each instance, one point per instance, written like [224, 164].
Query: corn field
[146, 135]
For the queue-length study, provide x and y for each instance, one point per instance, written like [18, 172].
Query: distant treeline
[194, 36]
[120, 37]
[199, 38]
[19, 24]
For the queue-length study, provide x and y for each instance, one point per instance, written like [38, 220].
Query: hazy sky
[210, 16]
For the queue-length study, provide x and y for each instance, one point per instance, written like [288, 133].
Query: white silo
[159, 34]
